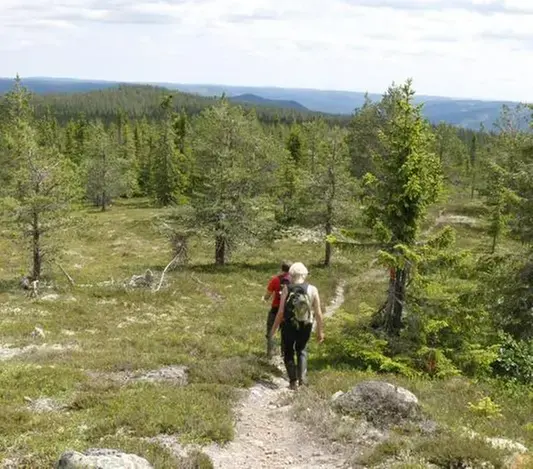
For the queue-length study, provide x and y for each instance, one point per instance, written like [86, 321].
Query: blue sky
[463, 48]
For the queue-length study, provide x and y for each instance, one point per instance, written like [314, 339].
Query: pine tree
[232, 156]
[330, 188]
[105, 174]
[44, 184]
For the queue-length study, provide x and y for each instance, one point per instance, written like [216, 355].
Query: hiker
[274, 287]
[299, 306]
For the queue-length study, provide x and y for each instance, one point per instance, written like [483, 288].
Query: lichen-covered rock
[507, 445]
[101, 459]
[174, 374]
[381, 403]
[44, 404]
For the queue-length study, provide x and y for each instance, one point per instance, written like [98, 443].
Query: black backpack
[298, 309]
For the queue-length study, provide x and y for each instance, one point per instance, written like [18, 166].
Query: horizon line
[221, 85]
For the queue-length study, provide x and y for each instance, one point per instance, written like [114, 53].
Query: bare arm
[267, 295]
[319, 318]
[281, 310]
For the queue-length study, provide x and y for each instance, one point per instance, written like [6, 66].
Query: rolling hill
[253, 99]
[466, 113]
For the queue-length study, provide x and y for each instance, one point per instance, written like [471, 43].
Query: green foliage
[43, 187]
[329, 195]
[168, 178]
[499, 200]
[486, 408]
[408, 175]
[452, 153]
[107, 173]
[455, 451]
[515, 360]
[363, 140]
[232, 157]
[506, 291]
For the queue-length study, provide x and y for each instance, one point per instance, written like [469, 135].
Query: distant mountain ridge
[468, 113]
[259, 100]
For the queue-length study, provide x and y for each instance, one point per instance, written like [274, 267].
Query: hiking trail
[266, 435]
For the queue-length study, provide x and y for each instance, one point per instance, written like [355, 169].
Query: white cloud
[471, 48]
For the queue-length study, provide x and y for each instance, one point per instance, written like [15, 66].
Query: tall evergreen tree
[396, 202]
[168, 181]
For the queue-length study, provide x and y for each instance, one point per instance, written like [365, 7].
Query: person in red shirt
[275, 285]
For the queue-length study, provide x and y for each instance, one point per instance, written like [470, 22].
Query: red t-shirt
[275, 286]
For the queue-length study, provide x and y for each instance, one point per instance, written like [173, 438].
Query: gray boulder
[101, 459]
[139, 281]
[382, 404]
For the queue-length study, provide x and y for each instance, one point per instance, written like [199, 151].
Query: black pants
[295, 341]
[269, 323]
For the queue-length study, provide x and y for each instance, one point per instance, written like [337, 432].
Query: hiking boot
[302, 382]
[293, 386]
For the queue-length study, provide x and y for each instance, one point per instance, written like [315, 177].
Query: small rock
[336, 396]
[101, 459]
[38, 333]
[138, 281]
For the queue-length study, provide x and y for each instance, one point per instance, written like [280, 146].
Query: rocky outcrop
[380, 403]
[101, 459]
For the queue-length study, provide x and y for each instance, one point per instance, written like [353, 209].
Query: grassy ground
[209, 319]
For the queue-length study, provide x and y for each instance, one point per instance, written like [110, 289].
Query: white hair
[298, 271]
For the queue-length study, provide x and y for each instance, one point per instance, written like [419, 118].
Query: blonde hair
[298, 272]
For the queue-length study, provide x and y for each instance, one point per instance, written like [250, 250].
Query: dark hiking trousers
[295, 341]
[269, 323]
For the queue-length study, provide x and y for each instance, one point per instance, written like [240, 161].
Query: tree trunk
[103, 202]
[36, 245]
[494, 242]
[327, 259]
[329, 214]
[395, 301]
[220, 250]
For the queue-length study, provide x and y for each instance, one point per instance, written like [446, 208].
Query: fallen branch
[165, 271]
[69, 278]
[207, 289]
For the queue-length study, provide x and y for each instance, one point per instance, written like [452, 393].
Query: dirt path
[266, 436]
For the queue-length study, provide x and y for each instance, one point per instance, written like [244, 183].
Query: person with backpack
[274, 289]
[299, 307]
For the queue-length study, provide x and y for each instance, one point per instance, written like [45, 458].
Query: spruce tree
[397, 200]
[168, 181]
